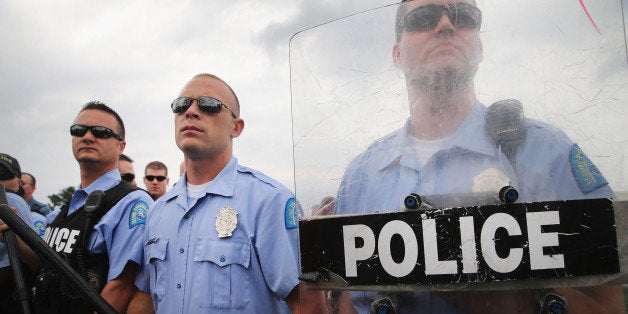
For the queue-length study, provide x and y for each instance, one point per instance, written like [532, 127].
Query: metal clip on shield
[550, 302]
[506, 195]
[414, 202]
[313, 277]
[383, 306]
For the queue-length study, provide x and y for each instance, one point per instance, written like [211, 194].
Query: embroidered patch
[138, 214]
[586, 173]
[290, 214]
[40, 227]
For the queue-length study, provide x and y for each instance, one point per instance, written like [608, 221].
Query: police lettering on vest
[61, 239]
[69, 235]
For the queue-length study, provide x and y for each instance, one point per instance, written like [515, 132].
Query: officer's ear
[396, 55]
[121, 146]
[481, 50]
[238, 127]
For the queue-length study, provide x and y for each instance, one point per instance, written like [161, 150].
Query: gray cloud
[307, 14]
[136, 55]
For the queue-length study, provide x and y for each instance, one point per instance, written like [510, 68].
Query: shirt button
[179, 285]
[186, 216]
[222, 258]
[181, 250]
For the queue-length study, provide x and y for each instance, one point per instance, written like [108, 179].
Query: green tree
[64, 196]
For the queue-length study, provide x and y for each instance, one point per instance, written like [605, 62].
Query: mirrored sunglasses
[209, 105]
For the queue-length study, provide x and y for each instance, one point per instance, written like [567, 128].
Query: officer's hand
[326, 207]
[4, 227]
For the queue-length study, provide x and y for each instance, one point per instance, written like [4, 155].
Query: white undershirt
[424, 150]
[197, 191]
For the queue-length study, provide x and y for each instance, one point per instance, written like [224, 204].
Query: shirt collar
[223, 184]
[104, 182]
[470, 136]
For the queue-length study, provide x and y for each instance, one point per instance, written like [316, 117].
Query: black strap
[112, 197]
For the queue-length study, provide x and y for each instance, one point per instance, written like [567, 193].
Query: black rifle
[44, 251]
[21, 290]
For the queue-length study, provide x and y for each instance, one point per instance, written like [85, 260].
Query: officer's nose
[88, 136]
[444, 24]
[194, 111]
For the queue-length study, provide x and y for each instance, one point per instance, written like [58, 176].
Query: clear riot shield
[456, 169]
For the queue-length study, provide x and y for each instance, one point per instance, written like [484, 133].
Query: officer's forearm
[141, 304]
[600, 299]
[119, 291]
[28, 256]
[302, 300]
[344, 304]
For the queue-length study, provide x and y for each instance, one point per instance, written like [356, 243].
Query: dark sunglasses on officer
[128, 177]
[101, 132]
[207, 104]
[425, 18]
[150, 178]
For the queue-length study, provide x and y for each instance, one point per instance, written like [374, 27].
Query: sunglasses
[425, 18]
[80, 130]
[151, 178]
[128, 177]
[206, 104]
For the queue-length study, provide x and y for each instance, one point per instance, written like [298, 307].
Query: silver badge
[226, 221]
[489, 180]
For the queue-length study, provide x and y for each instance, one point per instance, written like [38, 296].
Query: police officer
[156, 178]
[29, 184]
[446, 147]
[10, 178]
[224, 238]
[100, 235]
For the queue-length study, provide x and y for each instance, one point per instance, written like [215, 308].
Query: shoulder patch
[138, 214]
[290, 214]
[586, 173]
[40, 227]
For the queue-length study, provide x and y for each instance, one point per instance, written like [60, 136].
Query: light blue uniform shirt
[189, 269]
[24, 211]
[119, 232]
[549, 166]
[42, 208]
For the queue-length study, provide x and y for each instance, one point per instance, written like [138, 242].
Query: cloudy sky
[136, 55]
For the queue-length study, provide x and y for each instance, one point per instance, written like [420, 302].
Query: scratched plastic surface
[565, 61]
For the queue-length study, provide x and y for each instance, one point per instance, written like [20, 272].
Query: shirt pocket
[156, 257]
[222, 278]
